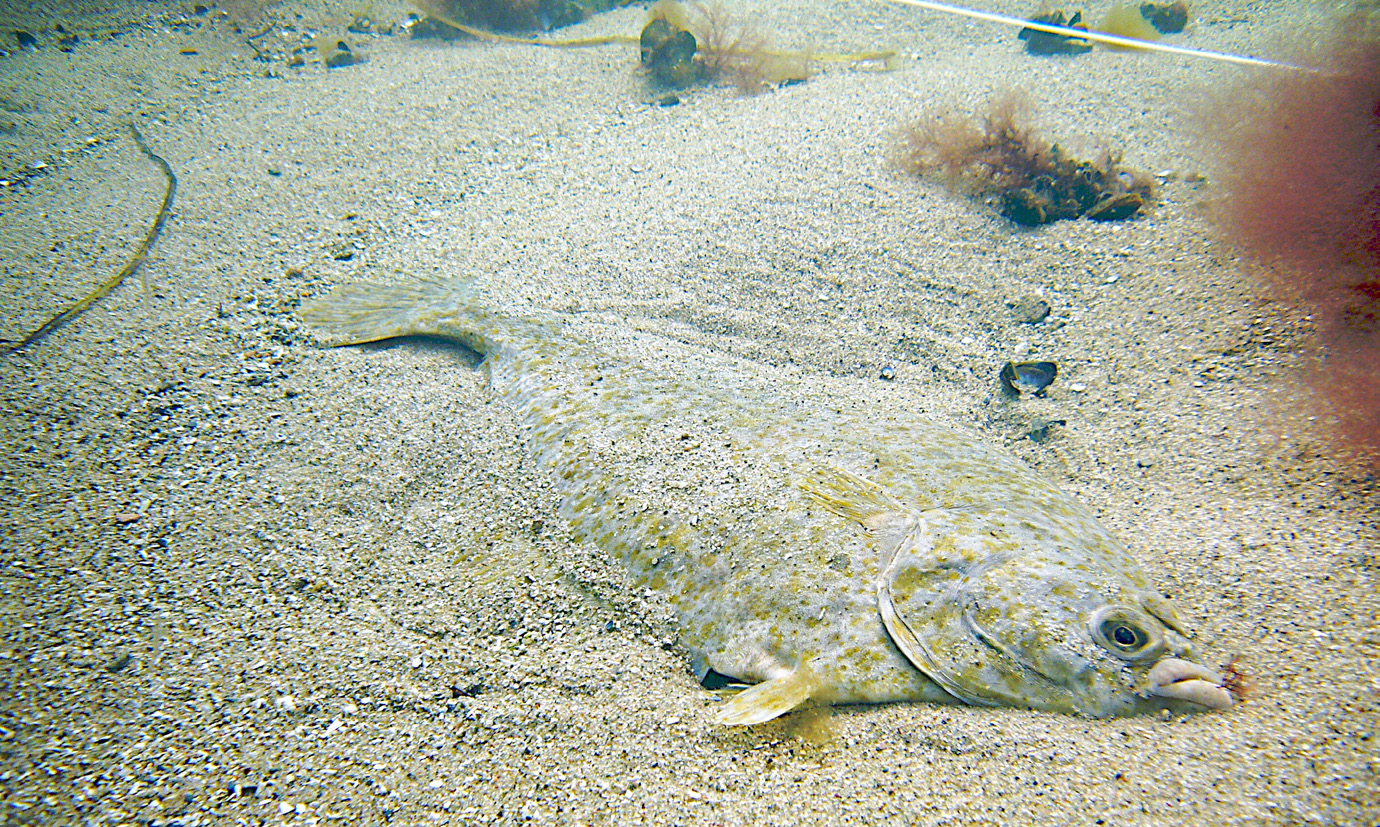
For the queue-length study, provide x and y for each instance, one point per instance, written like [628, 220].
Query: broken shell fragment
[1028, 377]
[1118, 207]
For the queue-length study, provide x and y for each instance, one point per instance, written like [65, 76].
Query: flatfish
[815, 546]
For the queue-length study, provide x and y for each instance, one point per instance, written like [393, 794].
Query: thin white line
[1100, 37]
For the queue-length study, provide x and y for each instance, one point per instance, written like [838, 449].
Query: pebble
[1030, 310]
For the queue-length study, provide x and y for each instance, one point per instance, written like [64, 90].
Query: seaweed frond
[980, 155]
[1127, 20]
[736, 50]
[1000, 154]
[140, 253]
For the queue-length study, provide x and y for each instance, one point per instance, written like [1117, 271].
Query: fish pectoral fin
[851, 497]
[770, 699]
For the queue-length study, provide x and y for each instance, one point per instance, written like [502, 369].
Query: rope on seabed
[882, 57]
[114, 281]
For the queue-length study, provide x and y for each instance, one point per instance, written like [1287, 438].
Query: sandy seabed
[245, 579]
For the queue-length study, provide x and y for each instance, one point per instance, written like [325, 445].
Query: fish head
[1002, 611]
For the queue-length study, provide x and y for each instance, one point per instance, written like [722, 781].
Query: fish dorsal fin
[864, 502]
[850, 496]
[769, 699]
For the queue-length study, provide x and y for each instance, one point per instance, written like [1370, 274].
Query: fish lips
[1183, 680]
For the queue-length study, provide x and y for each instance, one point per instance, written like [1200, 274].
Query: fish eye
[1126, 633]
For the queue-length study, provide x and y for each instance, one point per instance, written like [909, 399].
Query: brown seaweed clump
[686, 43]
[1035, 182]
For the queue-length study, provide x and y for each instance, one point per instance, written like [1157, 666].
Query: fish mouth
[1184, 680]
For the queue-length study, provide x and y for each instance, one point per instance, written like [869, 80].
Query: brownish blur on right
[1299, 161]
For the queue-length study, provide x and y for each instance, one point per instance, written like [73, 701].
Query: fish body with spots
[816, 546]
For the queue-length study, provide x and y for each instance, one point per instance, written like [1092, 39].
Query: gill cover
[980, 651]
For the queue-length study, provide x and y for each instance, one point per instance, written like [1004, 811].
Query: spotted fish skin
[825, 550]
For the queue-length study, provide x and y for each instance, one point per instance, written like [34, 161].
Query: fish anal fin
[770, 699]
[851, 497]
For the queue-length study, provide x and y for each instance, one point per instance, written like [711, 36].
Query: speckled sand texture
[248, 580]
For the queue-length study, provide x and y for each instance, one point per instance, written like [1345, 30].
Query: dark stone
[1047, 43]
[1167, 18]
[1116, 207]
[669, 53]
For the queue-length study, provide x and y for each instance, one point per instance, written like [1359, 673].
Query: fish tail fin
[353, 314]
[769, 699]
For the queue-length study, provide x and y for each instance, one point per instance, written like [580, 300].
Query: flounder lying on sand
[821, 547]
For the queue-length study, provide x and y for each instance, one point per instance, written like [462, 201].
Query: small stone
[888, 373]
[1030, 310]
[126, 517]
[1042, 429]
[286, 703]
[341, 56]
[1167, 18]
